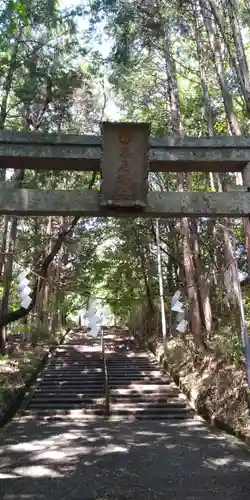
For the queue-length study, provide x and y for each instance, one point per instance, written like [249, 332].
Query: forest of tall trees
[182, 66]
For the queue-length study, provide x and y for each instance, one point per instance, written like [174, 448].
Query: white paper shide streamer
[175, 298]
[182, 326]
[177, 306]
[24, 289]
[180, 316]
[94, 321]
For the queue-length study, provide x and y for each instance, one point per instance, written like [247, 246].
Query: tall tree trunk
[3, 243]
[161, 287]
[8, 262]
[218, 61]
[203, 289]
[45, 304]
[205, 90]
[238, 62]
[9, 77]
[6, 257]
[177, 126]
[141, 253]
[220, 186]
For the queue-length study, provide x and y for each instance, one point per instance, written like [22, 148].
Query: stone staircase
[73, 380]
[137, 387]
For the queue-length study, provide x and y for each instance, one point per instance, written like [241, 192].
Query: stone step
[138, 374]
[147, 400]
[145, 396]
[67, 407]
[126, 363]
[133, 366]
[64, 381]
[136, 378]
[76, 381]
[115, 409]
[164, 416]
[67, 397]
[75, 368]
[89, 391]
[71, 367]
[135, 369]
[79, 375]
[131, 372]
[81, 361]
[76, 362]
[66, 363]
[72, 394]
[92, 398]
[74, 401]
[148, 406]
[76, 376]
[80, 388]
[79, 350]
[150, 410]
[77, 359]
[78, 367]
[60, 414]
[134, 362]
[140, 385]
[121, 358]
[72, 386]
[72, 376]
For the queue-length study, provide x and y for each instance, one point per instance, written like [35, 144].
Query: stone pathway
[68, 453]
[67, 458]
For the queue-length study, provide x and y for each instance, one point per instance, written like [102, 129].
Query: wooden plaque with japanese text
[124, 164]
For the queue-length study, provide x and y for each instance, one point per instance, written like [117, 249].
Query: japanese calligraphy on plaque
[124, 164]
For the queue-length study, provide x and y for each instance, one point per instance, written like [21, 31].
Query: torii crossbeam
[125, 155]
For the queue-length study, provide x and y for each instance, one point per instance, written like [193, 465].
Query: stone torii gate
[125, 155]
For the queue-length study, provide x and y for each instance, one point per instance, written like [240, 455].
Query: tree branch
[42, 271]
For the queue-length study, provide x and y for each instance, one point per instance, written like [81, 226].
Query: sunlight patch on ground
[51, 455]
[36, 471]
[246, 463]
[112, 448]
[218, 462]
[65, 453]
[7, 476]
[39, 445]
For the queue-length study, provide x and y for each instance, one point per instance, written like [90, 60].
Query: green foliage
[49, 75]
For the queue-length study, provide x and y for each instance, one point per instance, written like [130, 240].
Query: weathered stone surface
[51, 151]
[229, 187]
[246, 176]
[51, 157]
[28, 202]
[197, 204]
[124, 165]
